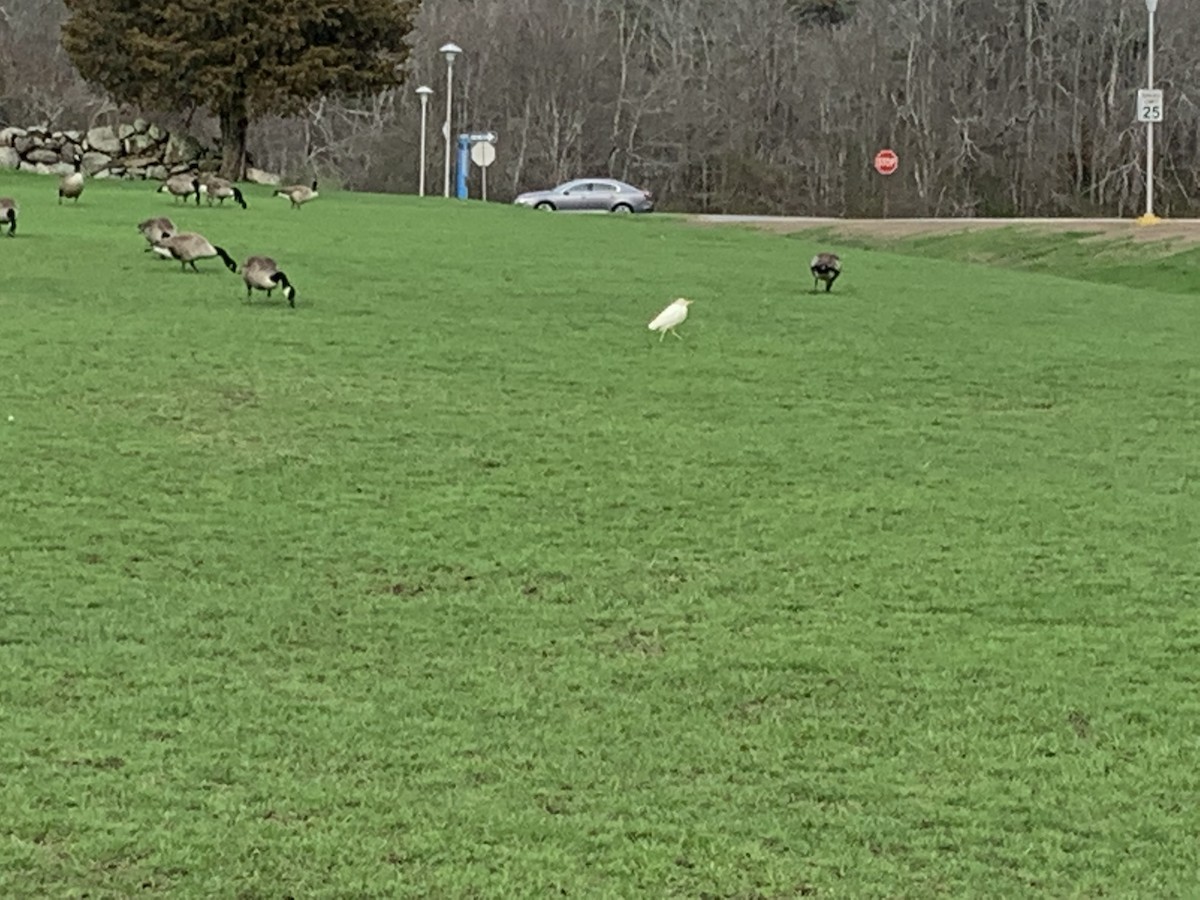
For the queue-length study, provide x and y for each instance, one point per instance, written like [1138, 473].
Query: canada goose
[825, 267]
[182, 185]
[156, 230]
[262, 273]
[187, 247]
[221, 189]
[71, 186]
[299, 194]
[8, 213]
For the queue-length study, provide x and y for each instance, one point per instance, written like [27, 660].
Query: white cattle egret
[669, 318]
[825, 267]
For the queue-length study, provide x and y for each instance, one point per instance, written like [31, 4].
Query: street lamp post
[423, 91]
[450, 51]
[1150, 218]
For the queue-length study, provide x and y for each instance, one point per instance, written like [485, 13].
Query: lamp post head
[1151, 5]
[450, 51]
[424, 91]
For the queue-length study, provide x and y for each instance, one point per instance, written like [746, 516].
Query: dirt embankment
[1175, 230]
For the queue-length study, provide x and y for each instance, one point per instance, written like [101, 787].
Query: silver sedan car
[605, 194]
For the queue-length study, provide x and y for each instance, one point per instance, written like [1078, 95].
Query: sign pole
[1150, 112]
[483, 154]
[1150, 126]
[886, 163]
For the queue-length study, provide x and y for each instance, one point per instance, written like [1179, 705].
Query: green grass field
[454, 582]
[1168, 266]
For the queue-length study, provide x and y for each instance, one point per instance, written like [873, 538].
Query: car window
[606, 186]
[573, 186]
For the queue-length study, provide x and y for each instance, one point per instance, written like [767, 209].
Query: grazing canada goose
[187, 247]
[221, 189]
[8, 213]
[156, 230]
[182, 186]
[299, 194]
[825, 267]
[262, 273]
[71, 186]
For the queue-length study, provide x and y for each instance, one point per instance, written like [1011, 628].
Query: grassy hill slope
[454, 582]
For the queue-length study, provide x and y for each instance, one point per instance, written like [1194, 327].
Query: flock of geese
[260, 273]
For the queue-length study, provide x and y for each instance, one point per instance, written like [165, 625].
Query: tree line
[995, 107]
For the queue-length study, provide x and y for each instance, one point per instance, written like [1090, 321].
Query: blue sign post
[460, 175]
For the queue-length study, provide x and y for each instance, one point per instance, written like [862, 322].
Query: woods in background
[995, 107]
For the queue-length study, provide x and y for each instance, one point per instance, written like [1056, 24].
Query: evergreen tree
[239, 59]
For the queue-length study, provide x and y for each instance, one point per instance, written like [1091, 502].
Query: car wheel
[546, 205]
[622, 208]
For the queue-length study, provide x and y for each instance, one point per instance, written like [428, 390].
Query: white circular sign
[483, 154]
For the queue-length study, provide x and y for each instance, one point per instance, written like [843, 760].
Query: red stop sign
[886, 162]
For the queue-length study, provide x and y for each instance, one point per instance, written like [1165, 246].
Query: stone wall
[139, 151]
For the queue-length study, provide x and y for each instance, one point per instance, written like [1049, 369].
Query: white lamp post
[424, 92]
[450, 51]
[1150, 218]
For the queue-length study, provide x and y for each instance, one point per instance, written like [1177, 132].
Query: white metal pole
[483, 180]
[449, 99]
[424, 111]
[1150, 125]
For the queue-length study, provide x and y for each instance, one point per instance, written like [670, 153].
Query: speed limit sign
[1150, 105]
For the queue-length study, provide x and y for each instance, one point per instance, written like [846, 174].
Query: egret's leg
[662, 334]
[677, 334]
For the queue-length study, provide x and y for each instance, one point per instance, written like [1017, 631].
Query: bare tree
[995, 107]
[38, 83]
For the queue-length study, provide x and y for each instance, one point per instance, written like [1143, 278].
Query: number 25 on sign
[1150, 105]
